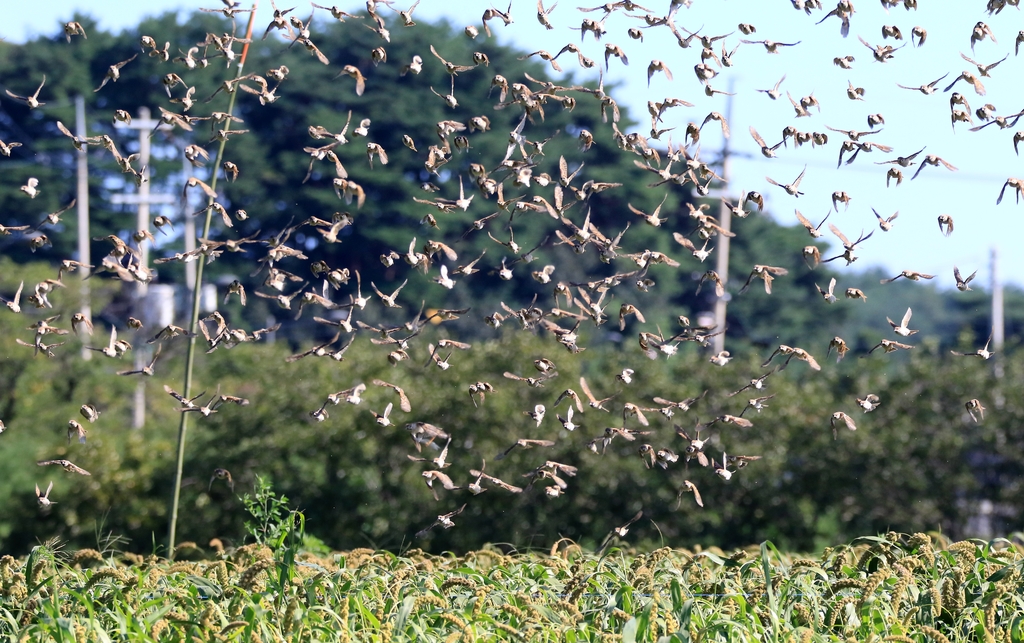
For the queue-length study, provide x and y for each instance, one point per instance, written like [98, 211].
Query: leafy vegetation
[907, 467]
[895, 587]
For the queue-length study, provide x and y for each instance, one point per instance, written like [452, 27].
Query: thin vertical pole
[172, 527]
[142, 218]
[190, 230]
[725, 221]
[998, 329]
[82, 199]
[140, 355]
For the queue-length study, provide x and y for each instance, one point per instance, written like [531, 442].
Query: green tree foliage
[273, 163]
[918, 462]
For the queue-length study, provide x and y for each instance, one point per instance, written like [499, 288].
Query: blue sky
[984, 159]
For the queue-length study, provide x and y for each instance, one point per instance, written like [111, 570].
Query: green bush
[917, 463]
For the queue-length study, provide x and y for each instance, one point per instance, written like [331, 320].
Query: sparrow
[351, 395]
[526, 444]
[828, 295]
[620, 531]
[722, 471]
[221, 474]
[885, 223]
[889, 346]
[33, 100]
[110, 350]
[80, 323]
[931, 159]
[67, 465]
[983, 352]
[980, 32]
[920, 34]
[566, 421]
[869, 402]
[31, 189]
[891, 31]
[440, 461]
[844, 62]
[389, 300]
[945, 224]
[430, 477]
[383, 419]
[721, 359]
[73, 29]
[594, 402]
[839, 416]
[975, 409]
[770, 46]
[654, 67]
[757, 403]
[403, 399]
[928, 89]
[812, 256]
[768, 152]
[537, 414]
[712, 276]
[901, 329]
[893, 173]
[5, 149]
[689, 487]
[774, 92]
[542, 14]
[569, 394]
[765, 273]
[444, 520]
[114, 73]
[186, 403]
[909, 274]
[841, 197]
[841, 347]
[961, 283]
[665, 457]
[902, 161]
[14, 305]
[970, 78]
[1016, 184]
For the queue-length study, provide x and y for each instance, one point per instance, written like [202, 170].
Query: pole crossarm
[138, 199]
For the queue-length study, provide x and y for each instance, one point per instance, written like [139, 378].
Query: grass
[889, 588]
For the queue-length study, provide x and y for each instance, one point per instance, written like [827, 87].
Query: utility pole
[725, 222]
[998, 330]
[190, 230]
[84, 305]
[143, 199]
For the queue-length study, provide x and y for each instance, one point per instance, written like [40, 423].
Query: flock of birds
[538, 195]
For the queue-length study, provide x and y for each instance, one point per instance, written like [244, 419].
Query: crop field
[889, 588]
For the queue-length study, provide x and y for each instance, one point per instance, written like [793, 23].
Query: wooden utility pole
[725, 221]
[998, 329]
[143, 199]
[190, 230]
[82, 200]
